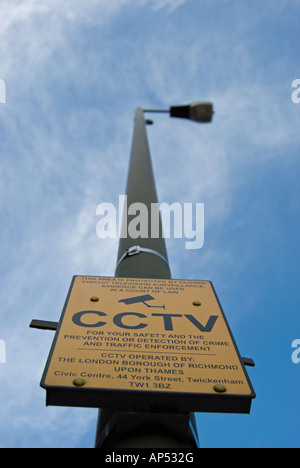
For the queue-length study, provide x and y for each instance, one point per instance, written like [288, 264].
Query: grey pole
[141, 188]
[143, 258]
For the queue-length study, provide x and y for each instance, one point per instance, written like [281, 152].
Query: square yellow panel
[145, 344]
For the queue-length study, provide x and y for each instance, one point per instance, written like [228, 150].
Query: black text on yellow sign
[149, 339]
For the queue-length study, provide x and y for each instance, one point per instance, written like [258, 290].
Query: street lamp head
[197, 111]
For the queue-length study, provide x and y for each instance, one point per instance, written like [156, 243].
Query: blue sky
[74, 73]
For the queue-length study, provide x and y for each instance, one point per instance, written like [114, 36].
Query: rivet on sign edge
[78, 382]
[197, 303]
[94, 299]
[219, 388]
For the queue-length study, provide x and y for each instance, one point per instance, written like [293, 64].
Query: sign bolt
[219, 388]
[94, 299]
[78, 382]
[197, 303]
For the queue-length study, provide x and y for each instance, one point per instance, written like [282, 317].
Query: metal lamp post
[147, 258]
[134, 418]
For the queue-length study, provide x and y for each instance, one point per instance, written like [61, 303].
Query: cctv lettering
[167, 320]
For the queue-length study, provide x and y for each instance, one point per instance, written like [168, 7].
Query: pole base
[145, 430]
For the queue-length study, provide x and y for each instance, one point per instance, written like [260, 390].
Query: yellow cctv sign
[134, 343]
